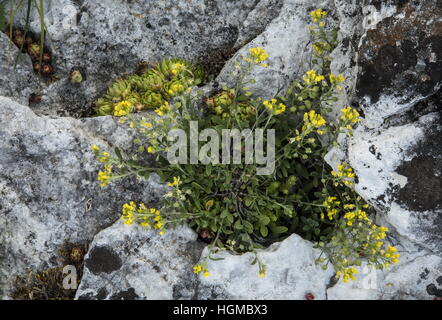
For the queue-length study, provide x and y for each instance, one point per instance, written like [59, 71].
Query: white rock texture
[129, 262]
[49, 193]
[389, 52]
[289, 276]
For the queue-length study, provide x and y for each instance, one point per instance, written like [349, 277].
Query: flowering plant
[231, 205]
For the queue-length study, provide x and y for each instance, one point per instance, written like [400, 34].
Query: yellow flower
[206, 274]
[165, 108]
[349, 274]
[258, 55]
[209, 204]
[176, 182]
[350, 115]
[146, 124]
[273, 107]
[345, 174]
[122, 108]
[311, 77]
[280, 108]
[162, 232]
[318, 14]
[95, 148]
[104, 157]
[150, 149]
[177, 68]
[175, 88]
[104, 176]
[314, 119]
[197, 269]
[128, 215]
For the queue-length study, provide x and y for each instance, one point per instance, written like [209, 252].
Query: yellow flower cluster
[378, 233]
[257, 56]
[146, 217]
[95, 148]
[104, 176]
[262, 271]
[318, 15]
[332, 206]
[311, 77]
[177, 68]
[176, 182]
[345, 173]
[103, 157]
[391, 254]
[201, 268]
[272, 106]
[129, 210]
[348, 274]
[350, 115]
[146, 124]
[165, 108]
[319, 47]
[122, 108]
[336, 79]
[356, 215]
[313, 120]
[175, 88]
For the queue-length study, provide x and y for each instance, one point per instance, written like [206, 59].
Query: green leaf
[118, 153]
[279, 229]
[264, 231]
[248, 202]
[238, 225]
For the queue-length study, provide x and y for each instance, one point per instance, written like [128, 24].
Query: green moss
[48, 284]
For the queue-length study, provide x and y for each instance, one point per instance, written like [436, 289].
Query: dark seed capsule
[76, 76]
[29, 40]
[35, 98]
[19, 40]
[37, 67]
[77, 254]
[46, 57]
[34, 51]
[47, 69]
[17, 33]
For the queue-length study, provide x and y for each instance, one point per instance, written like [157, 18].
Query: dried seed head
[37, 67]
[35, 98]
[19, 40]
[77, 254]
[34, 51]
[17, 33]
[46, 57]
[29, 40]
[47, 69]
[76, 76]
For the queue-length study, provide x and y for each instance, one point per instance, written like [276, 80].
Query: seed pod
[77, 254]
[34, 51]
[17, 33]
[76, 76]
[37, 67]
[35, 98]
[29, 40]
[19, 40]
[47, 57]
[47, 69]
